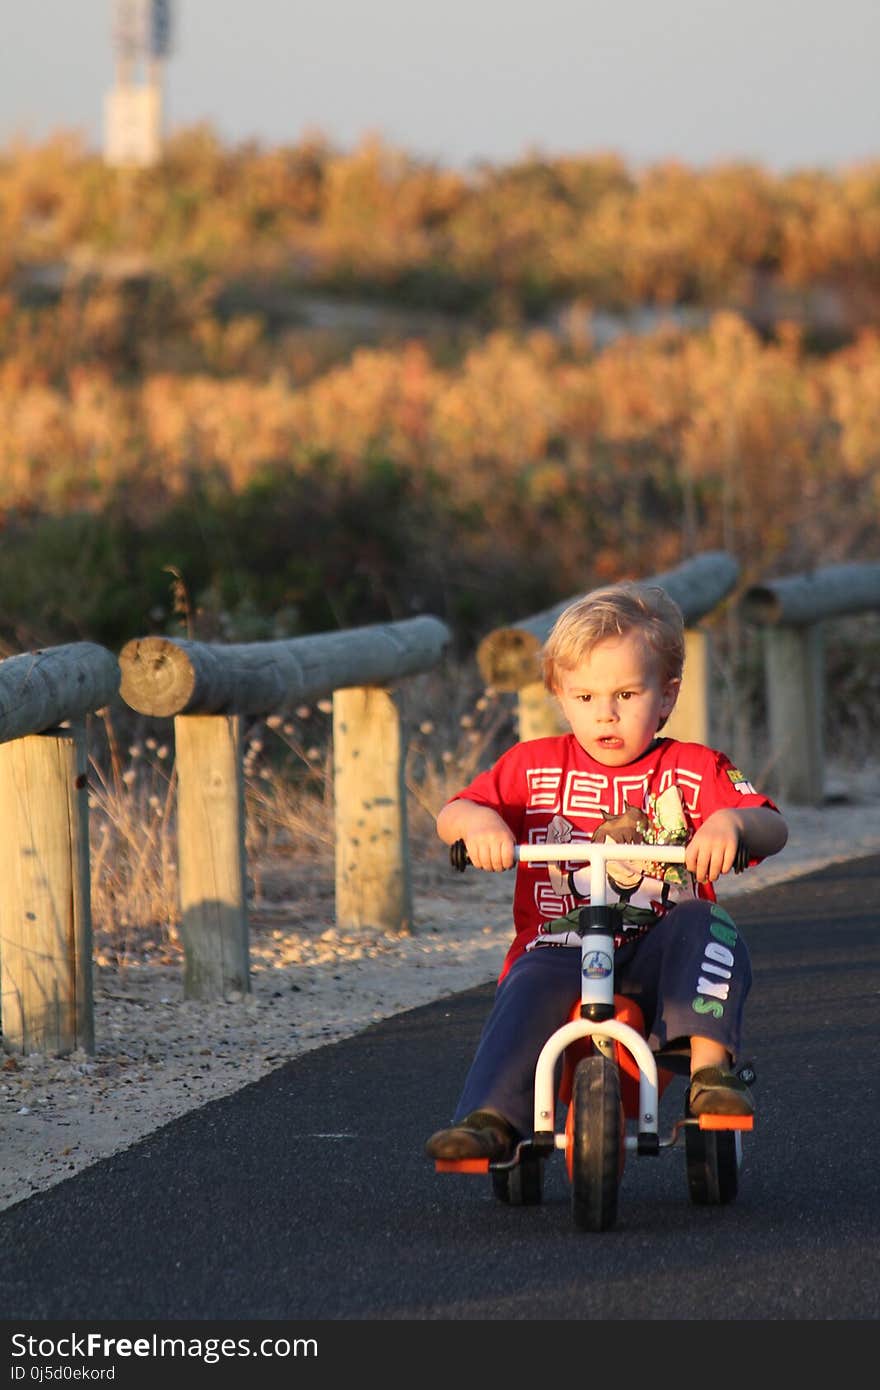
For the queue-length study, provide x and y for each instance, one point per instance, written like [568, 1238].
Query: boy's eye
[626, 694]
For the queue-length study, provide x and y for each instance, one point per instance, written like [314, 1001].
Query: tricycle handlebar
[589, 852]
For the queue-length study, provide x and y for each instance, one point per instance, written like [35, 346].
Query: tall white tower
[133, 108]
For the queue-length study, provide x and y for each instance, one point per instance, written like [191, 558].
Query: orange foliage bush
[155, 364]
[538, 230]
[746, 443]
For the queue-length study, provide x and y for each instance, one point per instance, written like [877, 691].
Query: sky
[786, 84]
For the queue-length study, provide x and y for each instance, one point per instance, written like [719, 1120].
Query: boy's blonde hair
[613, 612]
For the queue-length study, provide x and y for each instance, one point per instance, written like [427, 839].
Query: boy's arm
[490, 841]
[712, 850]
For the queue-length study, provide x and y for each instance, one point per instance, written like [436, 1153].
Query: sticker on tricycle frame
[597, 965]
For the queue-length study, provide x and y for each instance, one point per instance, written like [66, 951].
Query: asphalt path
[306, 1196]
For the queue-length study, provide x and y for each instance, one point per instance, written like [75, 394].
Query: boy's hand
[713, 849]
[491, 849]
[489, 841]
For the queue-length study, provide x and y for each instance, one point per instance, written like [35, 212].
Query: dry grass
[289, 810]
[133, 847]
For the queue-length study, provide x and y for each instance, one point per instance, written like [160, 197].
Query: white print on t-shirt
[644, 890]
[543, 785]
[595, 795]
[582, 794]
[551, 904]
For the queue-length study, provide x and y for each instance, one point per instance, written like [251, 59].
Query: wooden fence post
[211, 870]
[373, 887]
[45, 903]
[45, 900]
[690, 720]
[169, 676]
[538, 714]
[792, 611]
[794, 676]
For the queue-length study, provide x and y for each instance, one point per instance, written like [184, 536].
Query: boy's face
[614, 701]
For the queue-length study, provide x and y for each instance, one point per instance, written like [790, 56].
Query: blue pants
[690, 976]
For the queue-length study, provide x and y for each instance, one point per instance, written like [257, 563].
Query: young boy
[613, 661]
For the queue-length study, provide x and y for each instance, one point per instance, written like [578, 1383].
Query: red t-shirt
[536, 781]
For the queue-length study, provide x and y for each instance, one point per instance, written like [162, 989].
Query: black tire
[713, 1161]
[522, 1186]
[597, 1133]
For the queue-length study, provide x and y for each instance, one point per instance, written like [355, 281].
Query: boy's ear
[671, 692]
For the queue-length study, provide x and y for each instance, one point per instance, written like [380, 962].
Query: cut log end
[158, 677]
[509, 658]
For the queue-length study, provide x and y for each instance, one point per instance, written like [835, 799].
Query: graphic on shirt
[687, 783]
[668, 824]
[585, 794]
[553, 782]
[661, 821]
[645, 891]
[559, 832]
[627, 829]
[543, 784]
[551, 903]
[741, 782]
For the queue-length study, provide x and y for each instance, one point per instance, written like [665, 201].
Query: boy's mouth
[611, 741]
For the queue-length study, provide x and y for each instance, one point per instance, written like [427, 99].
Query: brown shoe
[714, 1091]
[482, 1134]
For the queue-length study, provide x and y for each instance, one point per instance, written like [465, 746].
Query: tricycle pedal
[461, 1165]
[726, 1121]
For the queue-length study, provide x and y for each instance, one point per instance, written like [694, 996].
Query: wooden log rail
[793, 612]
[45, 904]
[508, 657]
[207, 688]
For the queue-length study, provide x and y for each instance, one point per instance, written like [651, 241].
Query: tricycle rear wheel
[713, 1160]
[521, 1186]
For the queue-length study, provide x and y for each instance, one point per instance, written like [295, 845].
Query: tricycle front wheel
[595, 1149]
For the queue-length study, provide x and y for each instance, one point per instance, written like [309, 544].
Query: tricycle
[611, 1081]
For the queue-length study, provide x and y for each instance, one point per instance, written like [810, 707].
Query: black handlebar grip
[458, 856]
[741, 861]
